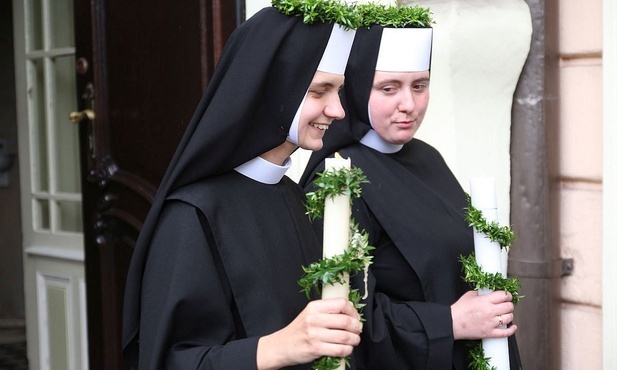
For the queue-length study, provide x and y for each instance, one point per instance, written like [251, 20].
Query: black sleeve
[400, 334]
[405, 335]
[187, 312]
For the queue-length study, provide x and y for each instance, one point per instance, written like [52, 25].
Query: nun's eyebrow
[399, 81]
[324, 84]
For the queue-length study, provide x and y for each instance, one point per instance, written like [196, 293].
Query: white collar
[263, 171]
[373, 140]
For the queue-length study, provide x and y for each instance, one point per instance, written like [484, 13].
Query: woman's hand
[477, 316]
[327, 327]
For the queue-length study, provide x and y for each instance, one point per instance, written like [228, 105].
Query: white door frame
[54, 281]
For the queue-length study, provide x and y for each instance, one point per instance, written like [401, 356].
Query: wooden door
[142, 67]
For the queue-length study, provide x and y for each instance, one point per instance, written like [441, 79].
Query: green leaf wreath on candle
[356, 258]
[473, 273]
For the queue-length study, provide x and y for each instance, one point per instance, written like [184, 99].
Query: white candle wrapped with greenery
[484, 268]
[347, 253]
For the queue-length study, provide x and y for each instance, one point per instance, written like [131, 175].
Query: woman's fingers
[477, 316]
[502, 332]
[334, 306]
[337, 315]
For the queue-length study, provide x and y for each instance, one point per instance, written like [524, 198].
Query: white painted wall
[479, 50]
[253, 6]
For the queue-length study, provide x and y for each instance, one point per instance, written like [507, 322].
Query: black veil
[247, 109]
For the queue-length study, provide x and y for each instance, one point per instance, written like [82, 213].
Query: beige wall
[577, 163]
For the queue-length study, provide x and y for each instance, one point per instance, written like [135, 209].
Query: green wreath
[355, 15]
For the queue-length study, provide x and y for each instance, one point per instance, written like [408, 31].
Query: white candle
[337, 213]
[483, 197]
[488, 257]
[336, 224]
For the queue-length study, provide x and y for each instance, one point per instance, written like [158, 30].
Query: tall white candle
[488, 257]
[337, 213]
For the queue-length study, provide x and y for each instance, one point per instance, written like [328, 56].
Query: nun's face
[398, 103]
[321, 107]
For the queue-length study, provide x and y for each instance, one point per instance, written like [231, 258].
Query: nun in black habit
[213, 278]
[420, 313]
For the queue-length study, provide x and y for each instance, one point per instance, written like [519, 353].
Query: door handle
[76, 117]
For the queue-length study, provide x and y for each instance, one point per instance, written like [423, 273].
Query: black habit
[222, 271]
[207, 276]
[413, 209]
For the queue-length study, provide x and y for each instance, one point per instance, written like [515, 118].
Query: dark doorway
[142, 67]
[12, 304]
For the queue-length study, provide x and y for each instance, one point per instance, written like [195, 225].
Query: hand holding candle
[345, 247]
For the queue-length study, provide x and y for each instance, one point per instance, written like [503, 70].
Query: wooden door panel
[142, 67]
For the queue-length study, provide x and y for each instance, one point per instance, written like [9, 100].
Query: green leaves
[355, 15]
[494, 281]
[329, 271]
[395, 16]
[504, 236]
[325, 11]
[356, 258]
[478, 361]
[333, 183]
[328, 363]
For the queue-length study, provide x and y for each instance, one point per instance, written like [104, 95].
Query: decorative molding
[103, 170]
[56, 252]
[109, 205]
[43, 282]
